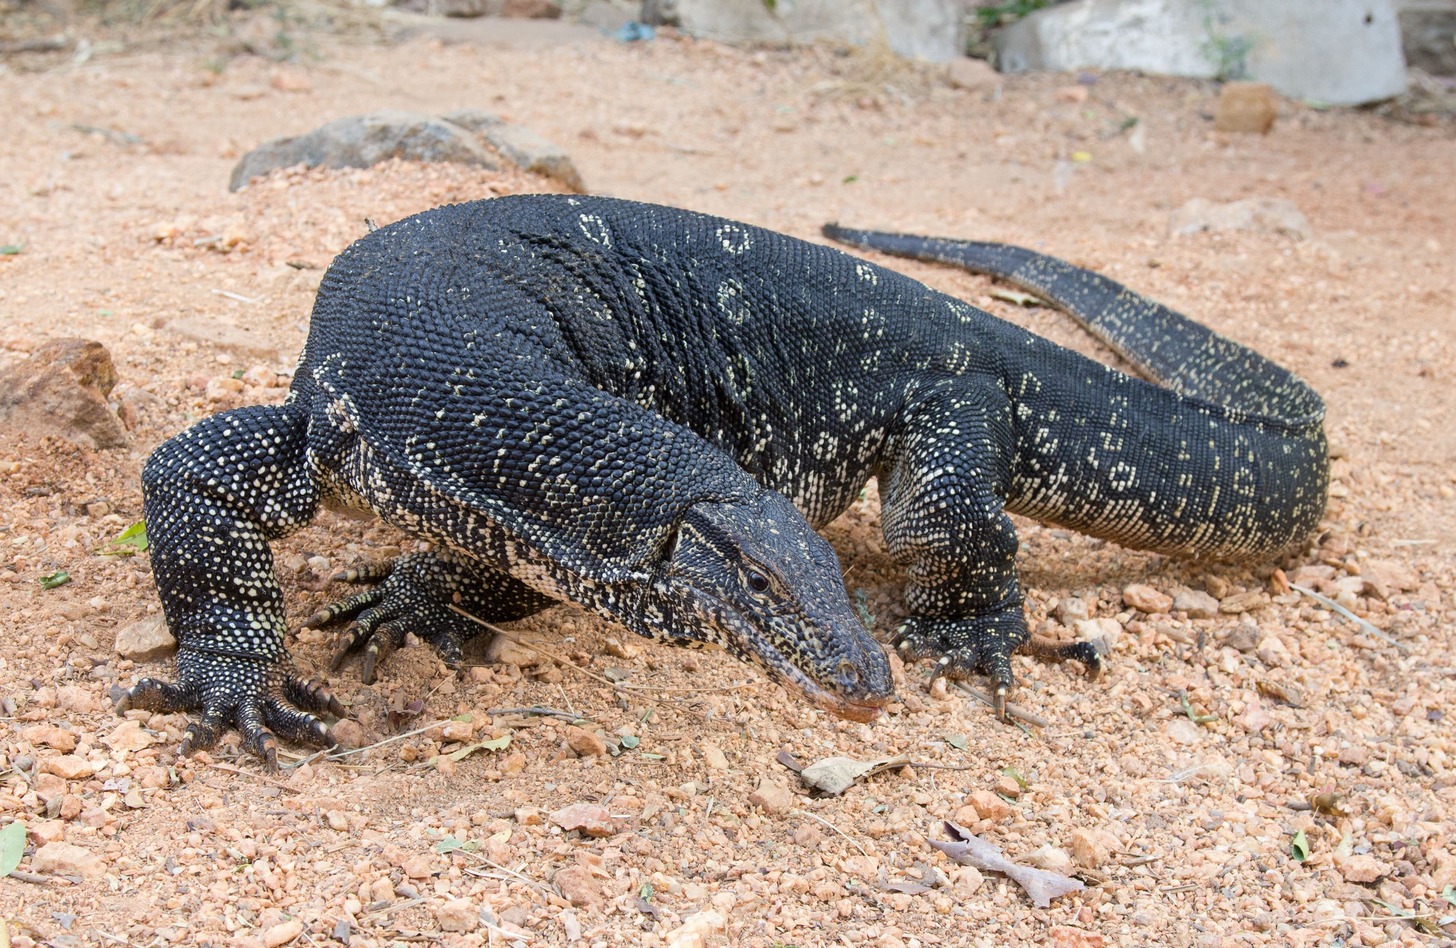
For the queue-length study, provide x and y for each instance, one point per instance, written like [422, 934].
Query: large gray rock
[1428, 34]
[917, 29]
[364, 140]
[1341, 52]
[361, 141]
[61, 390]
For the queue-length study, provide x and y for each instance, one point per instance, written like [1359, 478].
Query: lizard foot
[259, 697]
[984, 645]
[410, 596]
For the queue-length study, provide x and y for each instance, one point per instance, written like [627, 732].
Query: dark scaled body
[644, 410]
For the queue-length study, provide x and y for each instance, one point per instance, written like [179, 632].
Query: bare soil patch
[113, 189]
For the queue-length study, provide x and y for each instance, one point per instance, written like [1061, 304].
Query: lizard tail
[1162, 344]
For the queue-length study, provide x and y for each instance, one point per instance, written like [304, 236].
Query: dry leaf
[834, 775]
[970, 850]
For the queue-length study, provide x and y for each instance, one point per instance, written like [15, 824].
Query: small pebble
[1197, 605]
[1146, 599]
[772, 796]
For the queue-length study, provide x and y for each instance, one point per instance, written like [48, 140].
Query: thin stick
[854, 842]
[531, 645]
[238, 297]
[281, 785]
[387, 740]
[739, 686]
[542, 712]
[506, 872]
[573, 665]
[565, 700]
[1344, 613]
[1012, 710]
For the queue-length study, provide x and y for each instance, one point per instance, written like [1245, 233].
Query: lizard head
[752, 577]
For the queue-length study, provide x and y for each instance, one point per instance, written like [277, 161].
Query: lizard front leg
[945, 522]
[214, 496]
[413, 593]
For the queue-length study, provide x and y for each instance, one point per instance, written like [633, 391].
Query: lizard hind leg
[945, 522]
[413, 593]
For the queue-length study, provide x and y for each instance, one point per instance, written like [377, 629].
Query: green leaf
[851, 179]
[12, 847]
[652, 756]
[129, 542]
[10, 250]
[630, 741]
[958, 741]
[1016, 775]
[1299, 847]
[1194, 716]
[449, 844]
[499, 743]
[646, 892]
[59, 578]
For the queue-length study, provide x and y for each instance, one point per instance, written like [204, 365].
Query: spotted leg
[944, 521]
[214, 496]
[414, 594]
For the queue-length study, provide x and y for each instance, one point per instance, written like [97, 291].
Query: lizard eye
[757, 581]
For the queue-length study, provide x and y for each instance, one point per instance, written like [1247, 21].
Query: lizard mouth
[857, 698]
[865, 712]
[858, 689]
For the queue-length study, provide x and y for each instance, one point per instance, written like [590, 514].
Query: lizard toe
[410, 597]
[344, 609]
[151, 694]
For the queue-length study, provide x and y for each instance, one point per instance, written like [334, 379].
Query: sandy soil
[1184, 830]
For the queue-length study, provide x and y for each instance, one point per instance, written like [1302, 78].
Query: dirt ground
[1271, 775]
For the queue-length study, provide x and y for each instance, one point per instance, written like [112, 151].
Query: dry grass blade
[1344, 613]
[852, 841]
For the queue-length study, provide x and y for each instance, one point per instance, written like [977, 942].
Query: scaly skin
[646, 411]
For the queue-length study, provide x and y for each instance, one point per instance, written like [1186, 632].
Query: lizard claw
[410, 597]
[263, 699]
[984, 645]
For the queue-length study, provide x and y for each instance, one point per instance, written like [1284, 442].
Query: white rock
[145, 640]
[916, 29]
[67, 859]
[1341, 52]
[129, 736]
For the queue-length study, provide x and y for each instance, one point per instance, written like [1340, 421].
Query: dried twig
[640, 691]
[1012, 710]
[1344, 613]
[541, 712]
[388, 740]
[274, 781]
